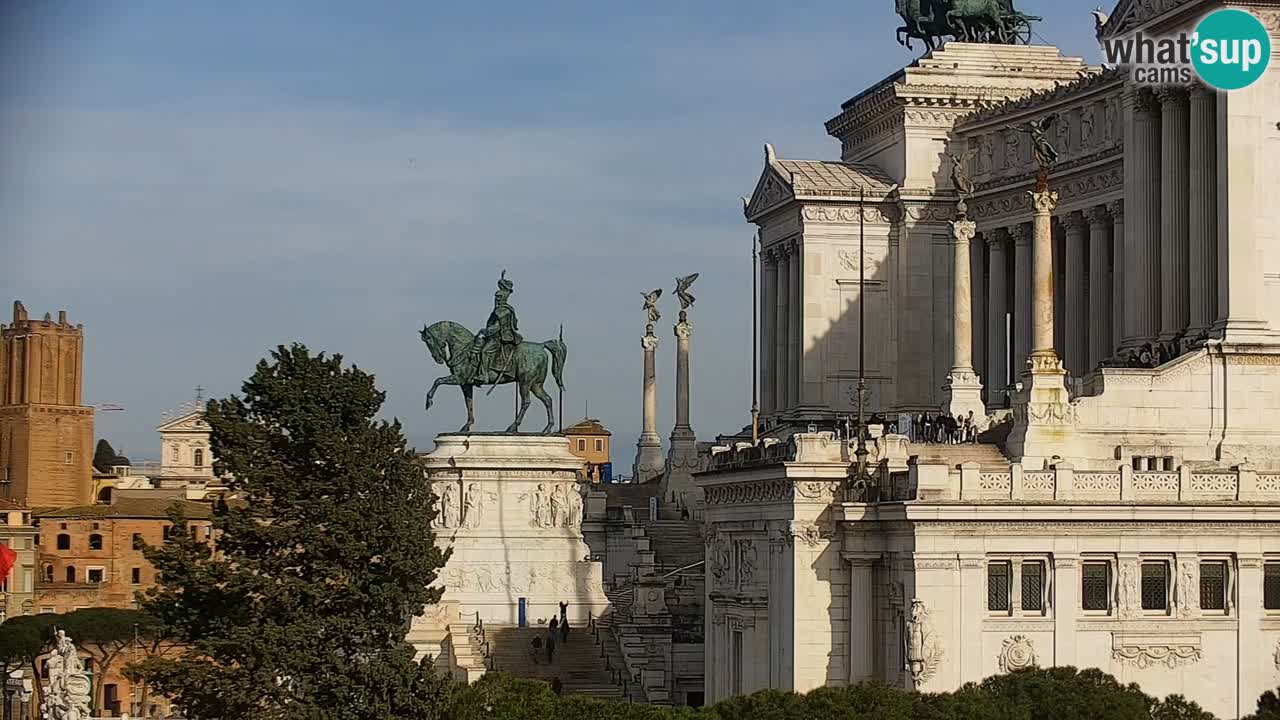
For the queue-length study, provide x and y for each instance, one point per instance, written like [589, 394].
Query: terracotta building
[91, 555]
[46, 433]
[589, 440]
[17, 586]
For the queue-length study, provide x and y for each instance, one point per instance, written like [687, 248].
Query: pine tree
[322, 558]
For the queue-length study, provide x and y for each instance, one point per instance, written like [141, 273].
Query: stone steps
[676, 543]
[986, 455]
[577, 663]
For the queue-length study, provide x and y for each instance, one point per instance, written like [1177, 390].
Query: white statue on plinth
[68, 694]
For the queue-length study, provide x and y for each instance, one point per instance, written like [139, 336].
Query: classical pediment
[1129, 15]
[191, 422]
[785, 180]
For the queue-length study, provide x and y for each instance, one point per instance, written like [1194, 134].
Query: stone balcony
[972, 483]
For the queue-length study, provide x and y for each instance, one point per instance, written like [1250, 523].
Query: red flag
[7, 559]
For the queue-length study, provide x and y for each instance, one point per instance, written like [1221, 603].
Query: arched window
[104, 496]
[64, 541]
[48, 573]
[71, 573]
[95, 542]
[199, 458]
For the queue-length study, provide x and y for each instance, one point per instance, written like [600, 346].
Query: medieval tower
[46, 434]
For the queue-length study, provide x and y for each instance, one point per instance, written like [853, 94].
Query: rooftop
[130, 507]
[588, 426]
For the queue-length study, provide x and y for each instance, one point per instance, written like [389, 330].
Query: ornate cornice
[1092, 81]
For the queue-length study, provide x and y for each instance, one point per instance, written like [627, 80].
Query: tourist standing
[564, 622]
[551, 639]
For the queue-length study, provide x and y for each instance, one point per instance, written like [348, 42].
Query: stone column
[978, 317]
[1043, 418]
[649, 462]
[1066, 606]
[683, 331]
[1142, 232]
[1245, 183]
[997, 308]
[1021, 298]
[963, 391]
[782, 330]
[1174, 201]
[768, 323]
[682, 455]
[1077, 329]
[1099, 317]
[1119, 275]
[1204, 210]
[795, 306]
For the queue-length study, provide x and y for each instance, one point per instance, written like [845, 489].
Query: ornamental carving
[1097, 482]
[1017, 653]
[1130, 601]
[1188, 589]
[518, 577]
[963, 230]
[747, 558]
[1041, 481]
[844, 214]
[849, 259]
[924, 648]
[1044, 202]
[811, 534]
[556, 505]
[720, 559]
[1169, 655]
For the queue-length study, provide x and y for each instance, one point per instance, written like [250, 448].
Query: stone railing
[1063, 484]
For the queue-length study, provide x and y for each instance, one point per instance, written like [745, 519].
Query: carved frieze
[924, 648]
[1143, 651]
[532, 577]
[846, 214]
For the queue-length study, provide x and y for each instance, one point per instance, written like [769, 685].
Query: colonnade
[1152, 280]
[780, 327]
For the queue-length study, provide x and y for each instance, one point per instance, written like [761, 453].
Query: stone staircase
[580, 664]
[988, 456]
[675, 543]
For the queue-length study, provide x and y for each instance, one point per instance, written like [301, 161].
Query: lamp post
[862, 484]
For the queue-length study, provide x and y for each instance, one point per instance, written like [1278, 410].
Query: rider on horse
[496, 344]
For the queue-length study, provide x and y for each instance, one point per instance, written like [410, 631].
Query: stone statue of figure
[449, 508]
[651, 305]
[918, 640]
[1045, 154]
[472, 507]
[541, 507]
[68, 695]
[575, 509]
[557, 505]
[682, 290]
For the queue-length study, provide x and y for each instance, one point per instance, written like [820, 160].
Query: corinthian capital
[963, 230]
[1043, 202]
[1098, 215]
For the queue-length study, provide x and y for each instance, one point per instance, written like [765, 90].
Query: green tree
[104, 456]
[1268, 707]
[302, 610]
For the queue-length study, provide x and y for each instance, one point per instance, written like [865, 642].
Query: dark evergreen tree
[104, 456]
[322, 557]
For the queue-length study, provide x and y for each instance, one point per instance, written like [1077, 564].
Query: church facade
[1123, 511]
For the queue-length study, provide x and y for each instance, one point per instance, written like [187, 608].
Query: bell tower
[46, 434]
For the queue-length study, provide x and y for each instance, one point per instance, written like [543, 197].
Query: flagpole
[755, 346]
[561, 405]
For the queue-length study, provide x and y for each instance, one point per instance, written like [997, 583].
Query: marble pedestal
[511, 508]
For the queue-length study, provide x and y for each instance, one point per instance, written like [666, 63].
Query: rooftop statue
[682, 291]
[651, 305]
[1045, 154]
[497, 355]
[975, 21]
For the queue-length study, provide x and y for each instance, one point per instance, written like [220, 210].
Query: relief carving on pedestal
[555, 507]
[449, 510]
[747, 559]
[1017, 653]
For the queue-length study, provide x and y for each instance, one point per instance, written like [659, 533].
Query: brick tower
[46, 434]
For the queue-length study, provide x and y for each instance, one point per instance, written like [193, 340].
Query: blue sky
[197, 183]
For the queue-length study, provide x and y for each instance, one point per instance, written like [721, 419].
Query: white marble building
[1131, 519]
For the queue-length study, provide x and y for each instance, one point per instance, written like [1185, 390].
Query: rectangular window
[137, 576]
[46, 610]
[66, 458]
[1155, 586]
[582, 445]
[1033, 586]
[1271, 586]
[998, 580]
[599, 445]
[1213, 586]
[1095, 586]
[94, 575]
[138, 542]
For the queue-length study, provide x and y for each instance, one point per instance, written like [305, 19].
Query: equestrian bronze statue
[497, 355]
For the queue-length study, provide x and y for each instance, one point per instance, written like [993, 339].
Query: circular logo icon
[1232, 49]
